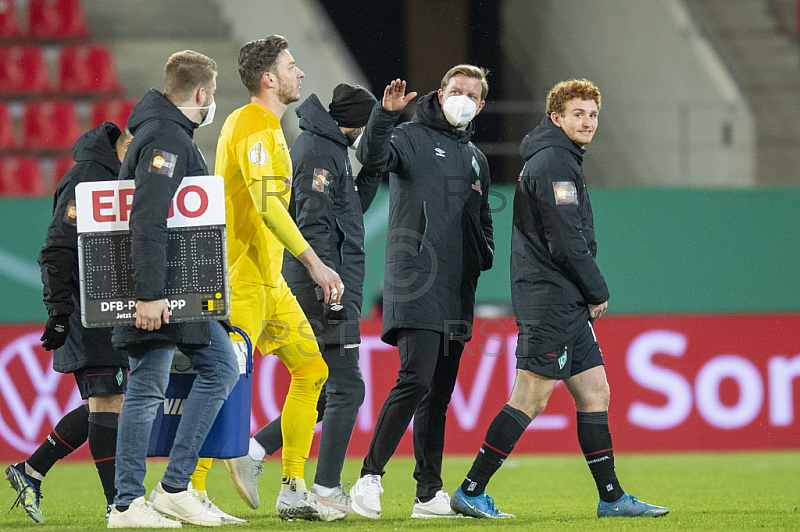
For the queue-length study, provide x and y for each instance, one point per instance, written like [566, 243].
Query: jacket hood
[153, 106]
[97, 145]
[315, 119]
[429, 113]
[547, 135]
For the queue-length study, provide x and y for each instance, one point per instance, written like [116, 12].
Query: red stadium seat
[50, 125]
[23, 70]
[7, 137]
[115, 111]
[60, 167]
[56, 19]
[86, 69]
[21, 176]
[8, 20]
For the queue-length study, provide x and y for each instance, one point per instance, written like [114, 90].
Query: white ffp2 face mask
[459, 110]
[212, 108]
[354, 145]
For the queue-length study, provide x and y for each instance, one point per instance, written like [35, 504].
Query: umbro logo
[439, 152]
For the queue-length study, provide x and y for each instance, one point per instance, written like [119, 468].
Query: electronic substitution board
[197, 266]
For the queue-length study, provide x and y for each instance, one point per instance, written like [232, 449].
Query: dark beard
[352, 136]
[286, 94]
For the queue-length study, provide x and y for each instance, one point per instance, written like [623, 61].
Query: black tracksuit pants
[428, 369]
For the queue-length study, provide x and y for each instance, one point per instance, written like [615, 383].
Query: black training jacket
[328, 205]
[553, 270]
[95, 160]
[161, 154]
[440, 226]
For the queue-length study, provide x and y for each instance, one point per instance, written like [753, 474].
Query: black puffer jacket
[161, 154]
[553, 270]
[328, 206]
[440, 225]
[96, 161]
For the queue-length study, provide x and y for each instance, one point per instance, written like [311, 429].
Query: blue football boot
[629, 506]
[481, 506]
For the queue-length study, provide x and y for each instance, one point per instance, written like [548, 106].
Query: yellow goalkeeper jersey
[252, 150]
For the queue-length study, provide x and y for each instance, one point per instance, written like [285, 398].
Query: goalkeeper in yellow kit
[253, 157]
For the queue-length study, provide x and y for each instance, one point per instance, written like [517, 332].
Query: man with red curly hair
[557, 291]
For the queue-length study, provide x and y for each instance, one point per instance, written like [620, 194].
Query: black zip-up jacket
[553, 270]
[161, 154]
[95, 160]
[440, 226]
[328, 206]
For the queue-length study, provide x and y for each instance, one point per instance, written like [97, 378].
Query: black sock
[103, 446]
[507, 427]
[170, 489]
[595, 440]
[69, 434]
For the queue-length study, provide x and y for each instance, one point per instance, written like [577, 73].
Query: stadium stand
[21, 176]
[56, 19]
[49, 125]
[9, 28]
[23, 71]
[7, 136]
[86, 69]
[113, 110]
[55, 83]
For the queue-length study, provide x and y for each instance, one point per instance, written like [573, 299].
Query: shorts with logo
[573, 354]
[273, 319]
[101, 380]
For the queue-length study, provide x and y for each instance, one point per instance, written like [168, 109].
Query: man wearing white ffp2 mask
[210, 110]
[439, 216]
[459, 110]
[462, 98]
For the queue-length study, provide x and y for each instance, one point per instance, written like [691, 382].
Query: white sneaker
[338, 499]
[227, 519]
[305, 507]
[439, 506]
[366, 494]
[244, 472]
[185, 506]
[140, 514]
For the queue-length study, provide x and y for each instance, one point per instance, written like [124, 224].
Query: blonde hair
[567, 90]
[187, 71]
[470, 71]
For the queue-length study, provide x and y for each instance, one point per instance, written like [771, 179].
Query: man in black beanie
[328, 205]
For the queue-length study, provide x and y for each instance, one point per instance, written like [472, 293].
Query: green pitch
[725, 491]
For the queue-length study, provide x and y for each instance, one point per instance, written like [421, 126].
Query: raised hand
[395, 97]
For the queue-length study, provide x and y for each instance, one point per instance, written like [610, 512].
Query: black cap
[351, 105]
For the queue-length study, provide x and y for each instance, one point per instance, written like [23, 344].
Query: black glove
[55, 332]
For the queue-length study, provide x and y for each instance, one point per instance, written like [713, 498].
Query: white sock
[323, 491]
[292, 496]
[31, 472]
[256, 452]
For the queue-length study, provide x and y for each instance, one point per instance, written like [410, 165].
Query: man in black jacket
[328, 205]
[557, 291]
[162, 153]
[439, 240]
[101, 372]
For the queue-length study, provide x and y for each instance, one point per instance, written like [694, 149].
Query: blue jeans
[217, 373]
